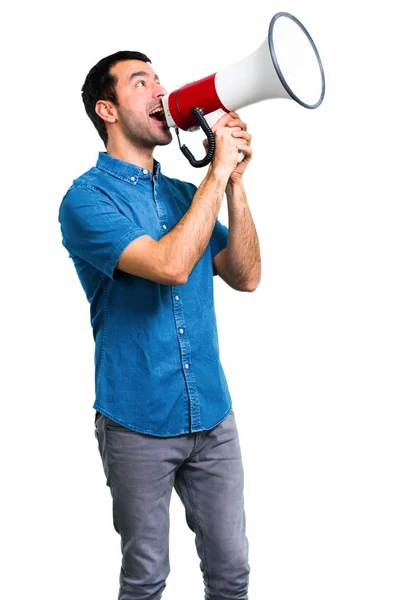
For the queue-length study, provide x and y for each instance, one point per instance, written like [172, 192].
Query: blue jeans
[205, 468]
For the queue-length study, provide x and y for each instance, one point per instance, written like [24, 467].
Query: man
[145, 248]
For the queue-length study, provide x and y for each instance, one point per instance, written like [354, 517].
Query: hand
[231, 137]
[244, 137]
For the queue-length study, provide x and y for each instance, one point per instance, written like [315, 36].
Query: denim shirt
[156, 355]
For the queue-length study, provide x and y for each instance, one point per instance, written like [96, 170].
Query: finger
[246, 149]
[236, 128]
[237, 123]
[222, 122]
[242, 134]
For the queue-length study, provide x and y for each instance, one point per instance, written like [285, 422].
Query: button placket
[186, 359]
[161, 212]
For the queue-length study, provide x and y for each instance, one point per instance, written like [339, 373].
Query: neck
[123, 150]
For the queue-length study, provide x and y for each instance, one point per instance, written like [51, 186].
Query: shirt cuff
[119, 247]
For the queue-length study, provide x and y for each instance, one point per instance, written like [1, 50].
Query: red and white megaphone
[286, 65]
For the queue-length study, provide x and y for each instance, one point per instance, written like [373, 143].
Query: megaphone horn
[287, 65]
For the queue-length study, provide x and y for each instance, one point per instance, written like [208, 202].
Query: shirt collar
[124, 170]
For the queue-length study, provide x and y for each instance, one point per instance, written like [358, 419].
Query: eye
[140, 83]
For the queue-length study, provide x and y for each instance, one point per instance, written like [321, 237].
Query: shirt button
[164, 227]
[145, 171]
[132, 179]
[176, 297]
[186, 365]
[181, 331]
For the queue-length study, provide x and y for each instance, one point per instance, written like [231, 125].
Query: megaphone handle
[198, 113]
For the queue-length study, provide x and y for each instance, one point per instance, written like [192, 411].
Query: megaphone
[287, 65]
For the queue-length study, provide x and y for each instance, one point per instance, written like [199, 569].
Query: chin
[165, 140]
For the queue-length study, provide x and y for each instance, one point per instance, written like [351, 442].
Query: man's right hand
[227, 146]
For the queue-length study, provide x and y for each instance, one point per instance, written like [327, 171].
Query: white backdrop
[311, 357]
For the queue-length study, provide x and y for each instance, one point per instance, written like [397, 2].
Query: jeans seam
[192, 504]
[107, 457]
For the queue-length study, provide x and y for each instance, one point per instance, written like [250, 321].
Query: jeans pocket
[111, 425]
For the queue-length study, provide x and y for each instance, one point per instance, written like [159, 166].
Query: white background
[311, 357]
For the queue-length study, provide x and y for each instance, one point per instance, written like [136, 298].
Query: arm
[239, 264]
[171, 259]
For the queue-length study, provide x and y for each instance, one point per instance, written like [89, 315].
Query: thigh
[140, 471]
[211, 485]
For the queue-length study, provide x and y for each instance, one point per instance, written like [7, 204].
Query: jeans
[206, 470]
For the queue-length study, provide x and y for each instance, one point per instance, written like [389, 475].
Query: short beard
[139, 136]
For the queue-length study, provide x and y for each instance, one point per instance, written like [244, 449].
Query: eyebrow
[141, 74]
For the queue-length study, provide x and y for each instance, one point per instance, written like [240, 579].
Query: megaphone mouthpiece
[201, 93]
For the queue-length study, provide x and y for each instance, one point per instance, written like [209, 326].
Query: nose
[159, 91]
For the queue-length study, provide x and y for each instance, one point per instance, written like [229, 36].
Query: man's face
[139, 92]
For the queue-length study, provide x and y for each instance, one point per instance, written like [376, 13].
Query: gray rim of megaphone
[276, 65]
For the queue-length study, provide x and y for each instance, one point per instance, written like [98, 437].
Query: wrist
[218, 174]
[234, 185]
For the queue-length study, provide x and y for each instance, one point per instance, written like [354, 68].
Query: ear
[106, 111]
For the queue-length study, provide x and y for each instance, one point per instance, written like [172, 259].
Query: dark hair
[100, 85]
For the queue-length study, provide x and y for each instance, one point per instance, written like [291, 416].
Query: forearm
[184, 245]
[243, 258]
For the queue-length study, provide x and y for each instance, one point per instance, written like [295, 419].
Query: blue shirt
[157, 364]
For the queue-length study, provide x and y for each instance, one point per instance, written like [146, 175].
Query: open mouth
[158, 114]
